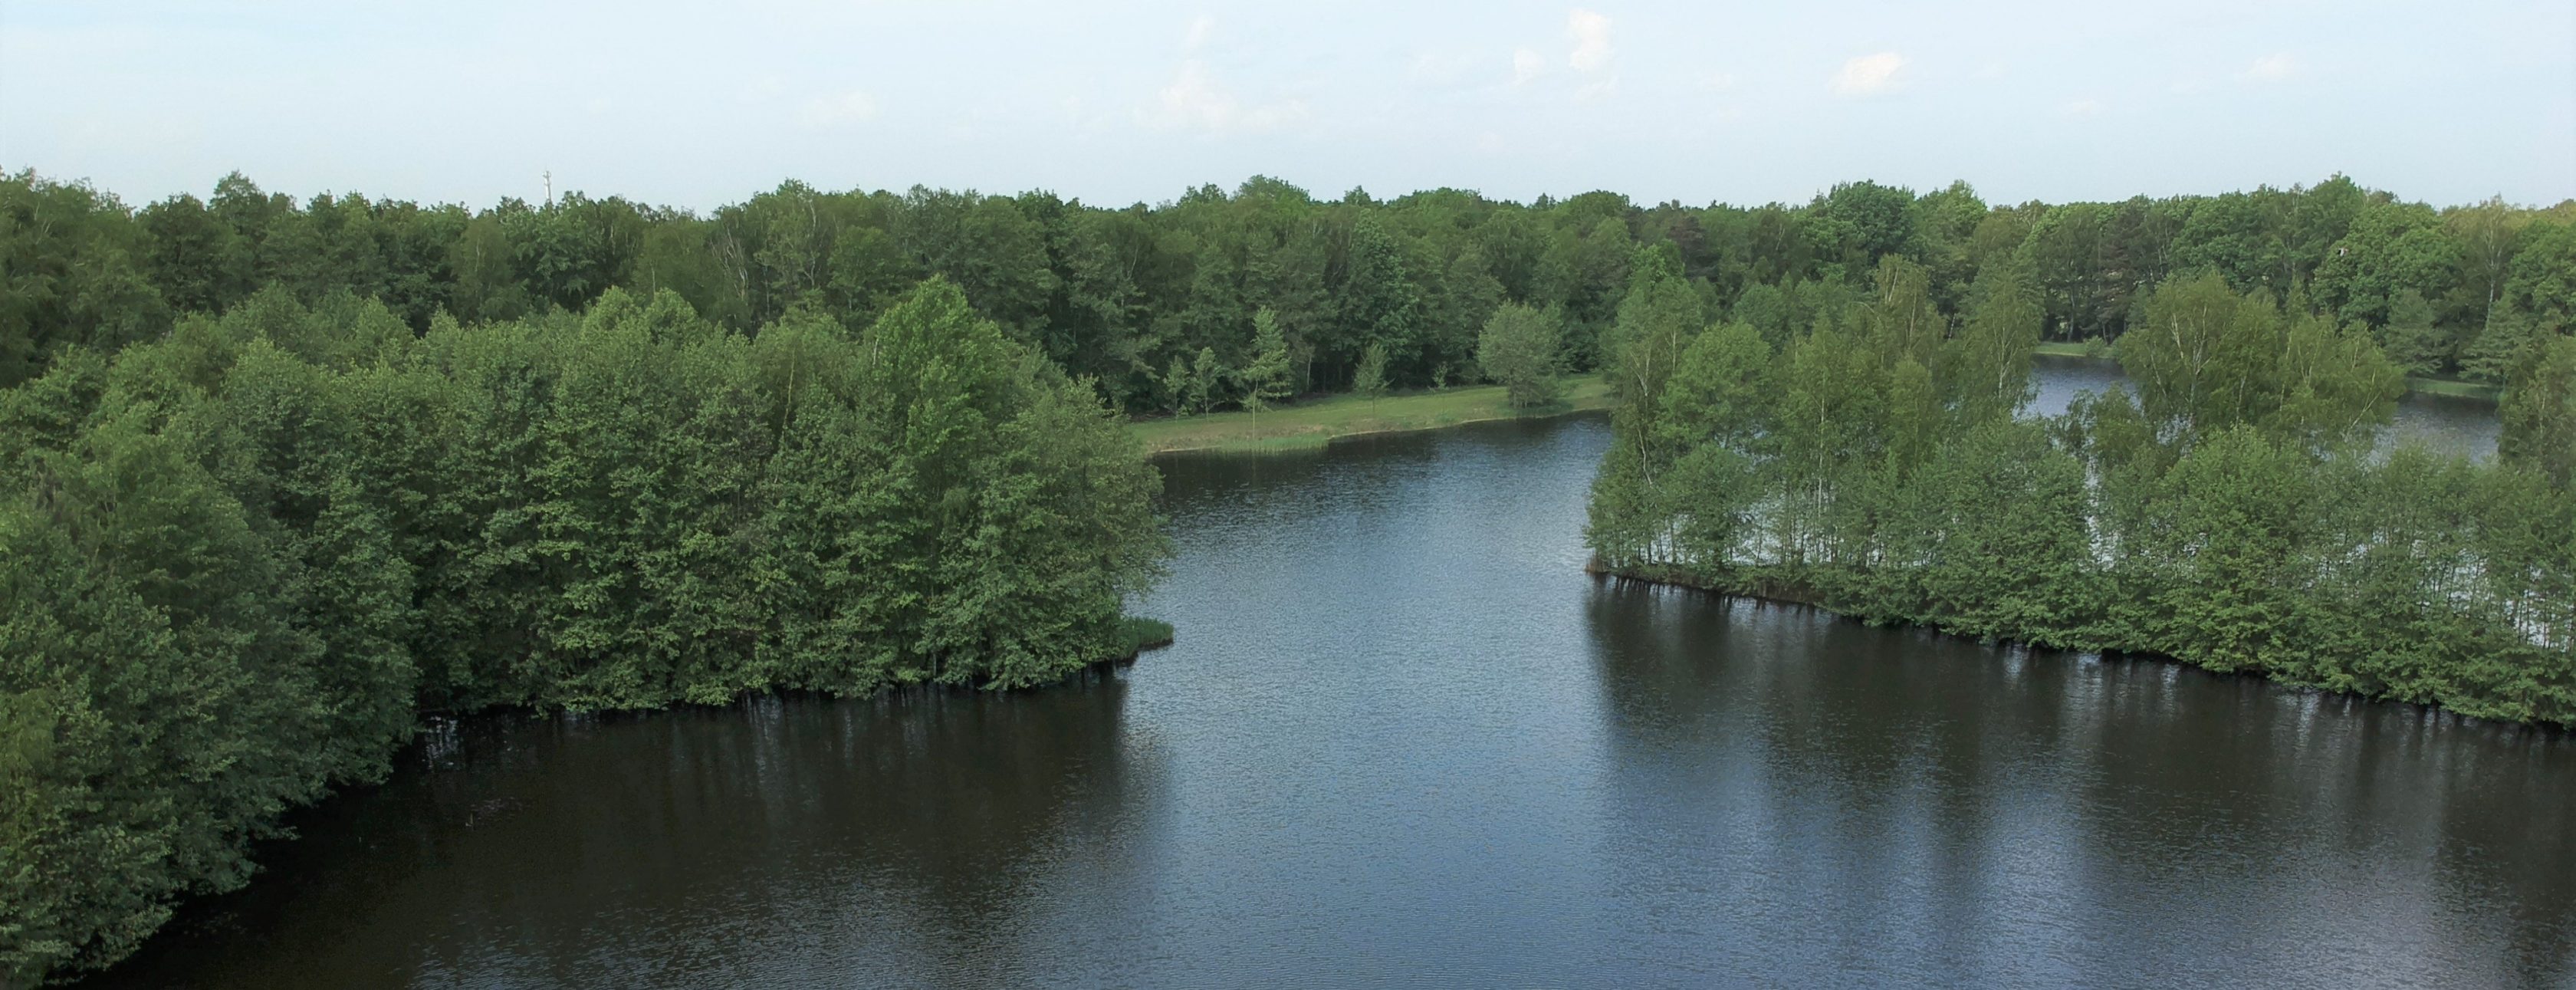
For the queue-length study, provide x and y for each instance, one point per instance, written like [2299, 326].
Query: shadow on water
[1806, 794]
[780, 840]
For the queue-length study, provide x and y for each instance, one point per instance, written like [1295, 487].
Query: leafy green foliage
[1519, 348]
[2539, 413]
[1265, 377]
[1369, 378]
[1119, 294]
[72, 272]
[2207, 358]
[1116, 294]
[234, 563]
[2225, 516]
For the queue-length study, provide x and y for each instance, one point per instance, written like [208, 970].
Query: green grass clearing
[2465, 390]
[1308, 425]
[2095, 349]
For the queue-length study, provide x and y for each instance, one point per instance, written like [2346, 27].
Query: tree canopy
[1118, 293]
[2233, 513]
[237, 560]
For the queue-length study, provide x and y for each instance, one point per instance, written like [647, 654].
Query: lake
[1403, 740]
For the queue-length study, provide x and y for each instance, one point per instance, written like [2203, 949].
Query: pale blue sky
[700, 105]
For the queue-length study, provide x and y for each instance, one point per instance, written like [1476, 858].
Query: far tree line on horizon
[1158, 304]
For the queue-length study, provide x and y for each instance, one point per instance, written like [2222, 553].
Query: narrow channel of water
[1403, 741]
[2447, 423]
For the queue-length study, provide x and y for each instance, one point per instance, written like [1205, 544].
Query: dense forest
[1148, 300]
[278, 475]
[2232, 513]
[239, 556]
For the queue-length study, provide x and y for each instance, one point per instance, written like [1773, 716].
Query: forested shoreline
[278, 474]
[2232, 514]
[1157, 303]
[237, 559]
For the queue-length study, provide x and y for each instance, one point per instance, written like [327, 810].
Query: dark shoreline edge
[201, 907]
[1799, 597]
[1162, 636]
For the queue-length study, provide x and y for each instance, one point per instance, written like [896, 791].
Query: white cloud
[1869, 75]
[1590, 30]
[852, 107]
[1195, 100]
[2272, 68]
[1527, 65]
[1717, 82]
[2083, 108]
[1200, 28]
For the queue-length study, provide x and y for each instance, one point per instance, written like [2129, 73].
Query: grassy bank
[2428, 386]
[1318, 422]
[2071, 348]
[2465, 390]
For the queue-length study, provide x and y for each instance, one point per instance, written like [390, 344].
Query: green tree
[69, 275]
[1176, 385]
[1369, 379]
[1986, 367]
[198, 263]
[2392, 248]
[2231, 533]
[1380, 302]
[1858, 223]
[2410, 337]
[2206, 358]
[1265, 377]
[1518, 347]
[2539, 414]
[487, 281]
[1721, 393]
[2538, 303]
[2065, 254]
[2487, 235]
[1765, 308]
[1205, 373]
[146, 618]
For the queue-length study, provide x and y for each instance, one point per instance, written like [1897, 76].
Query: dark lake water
[1404, 741]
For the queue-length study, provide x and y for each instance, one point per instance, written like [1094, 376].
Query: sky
[696, 106]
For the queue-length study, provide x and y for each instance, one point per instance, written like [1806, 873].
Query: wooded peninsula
[278, 476]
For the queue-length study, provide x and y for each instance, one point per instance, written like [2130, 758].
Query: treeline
[2231, 513]
[238, 557]
[1156, 302]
